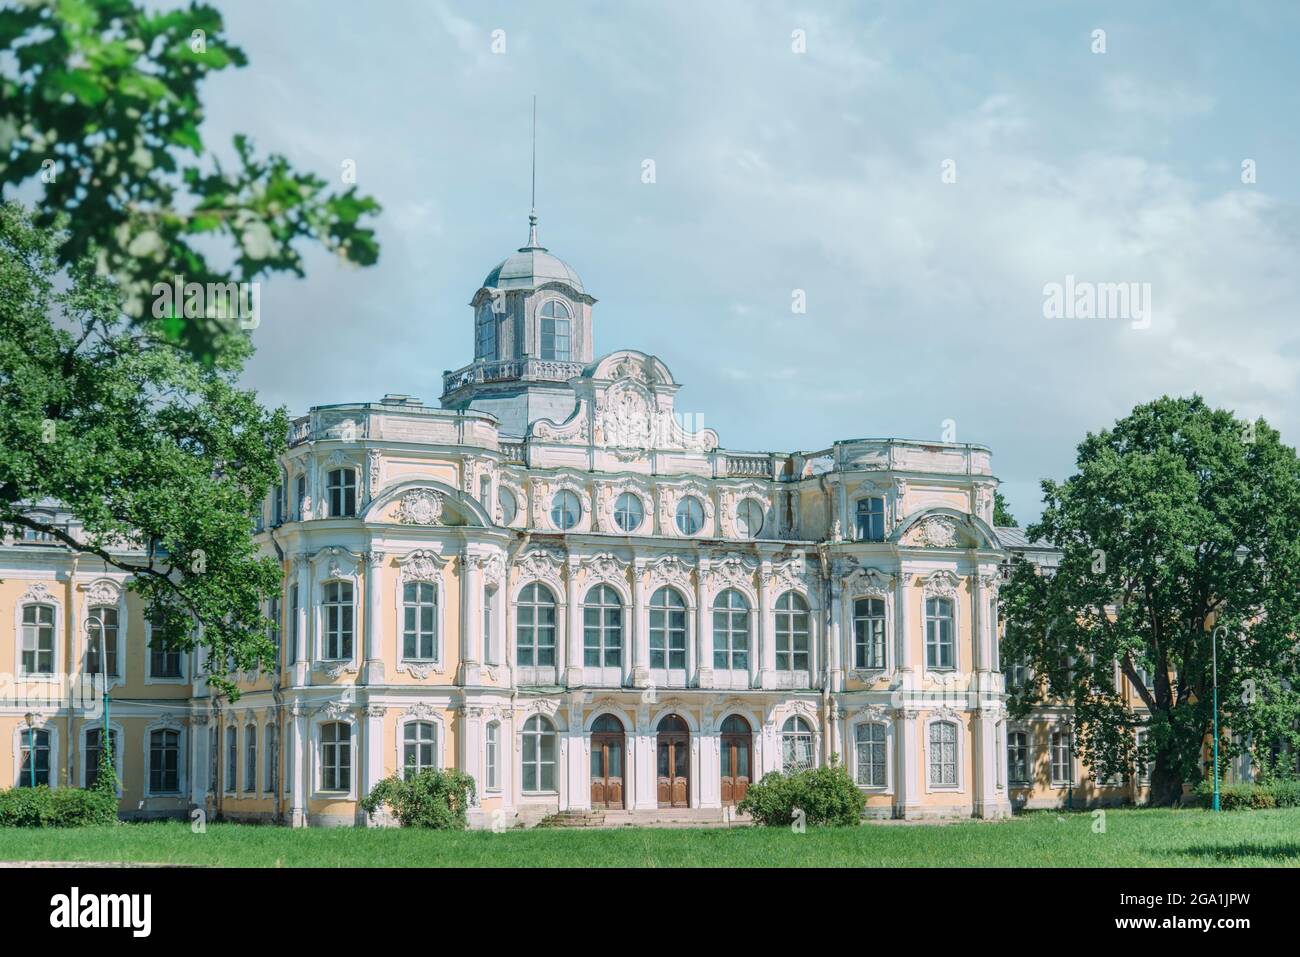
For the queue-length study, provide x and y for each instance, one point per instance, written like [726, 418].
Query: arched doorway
[737, 741]
[607, 762]
[674, 762]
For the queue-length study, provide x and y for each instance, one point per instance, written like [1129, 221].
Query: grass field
[1133, 838]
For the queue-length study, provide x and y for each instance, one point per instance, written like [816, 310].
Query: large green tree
[1181, 521]
[100, 108]
[161, 457]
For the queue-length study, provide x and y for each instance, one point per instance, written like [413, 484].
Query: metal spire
[532, 213]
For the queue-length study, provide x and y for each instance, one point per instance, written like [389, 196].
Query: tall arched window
[338, 620]
[943, 754]
[485, 344]
[272, 747]
[341, 492]
[493, 746]
[535, 627]
[232, 759]
[300, 497]
[419, 621]
[667, 629]
[731, 631]
[869, 742]
[34, 740]
[869, 633]
[602, 628]
[792, 633]
[538, 755]
[104, 616]
[335, 756]
[796, 746]
[38, 639]
[419, 746]
[250, 757]
[555, 330]
[940, 652]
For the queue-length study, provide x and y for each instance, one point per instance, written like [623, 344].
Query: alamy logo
[241, 301]
[1080, 299]
[102, 910]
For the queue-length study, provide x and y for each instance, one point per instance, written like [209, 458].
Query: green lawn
[1133, 838]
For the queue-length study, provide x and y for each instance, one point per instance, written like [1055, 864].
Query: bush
[61, 807]
[827, 797]
[431, 798]
[1242, 797]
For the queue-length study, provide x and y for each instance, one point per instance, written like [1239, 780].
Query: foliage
[42, 806]
[1238, 797]
[100, 105]
[827, 796]
[1002, 512]
[143, 443]
[1180, 521]
[105, 774]
[431, 798]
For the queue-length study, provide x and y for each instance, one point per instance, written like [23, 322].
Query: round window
[690, 515]
[509, 507]
[749, 518]
[628, 512]
[565, 510]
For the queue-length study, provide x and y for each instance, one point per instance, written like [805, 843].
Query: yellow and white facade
[559, 586]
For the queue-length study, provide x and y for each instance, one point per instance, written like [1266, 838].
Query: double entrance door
[674, 762]
[607, 763]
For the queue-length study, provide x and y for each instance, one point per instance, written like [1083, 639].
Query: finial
[532, 230]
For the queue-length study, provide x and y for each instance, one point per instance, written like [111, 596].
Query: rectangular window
[871, 519]
[1018, 757]
[34, 770]
[341, 491]
[164, 655]
[101, 624]
[273, 613]
[232, 760]
[943, 754]
[272, 740]
[419, 628]
[938, 634]
[1144, 767]
[338, 621]
[164, 762]
[489, 598]
[291, 653]
[250, 758]
[493, 732]
[1062, 759]
[668, 638]
[38, 639]
[869, 633]
[300, 497]
[870, 741]
[93, 752]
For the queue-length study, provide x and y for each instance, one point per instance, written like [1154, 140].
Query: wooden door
[674, 770]
[607, 770]
[735, 767]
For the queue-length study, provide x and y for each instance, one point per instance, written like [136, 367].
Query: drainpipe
[828, 720]
[69, 642]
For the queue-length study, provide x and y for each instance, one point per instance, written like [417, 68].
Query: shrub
[430, 798]
[827, 796]
[1240, 797]
[61, 807]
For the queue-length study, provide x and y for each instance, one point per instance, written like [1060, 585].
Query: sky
[921, 172]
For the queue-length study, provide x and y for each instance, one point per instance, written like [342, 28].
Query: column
[374, 762]
[471, 618]
[470, 748]
[902, 645]
[297, 807]
[578, 754]
[573, 629]
[990, 801]
[979, 650]
[198, 760]
[766, 636]
[373, 670]
[641, 628]
[906, 764]
[301, 663]
[835, 636]
[703, 633]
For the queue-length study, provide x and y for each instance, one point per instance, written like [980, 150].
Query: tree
[99, 103]
[1180, 521]
[1002, 512]
[144, 443]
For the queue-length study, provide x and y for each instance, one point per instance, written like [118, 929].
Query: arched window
[33, 739]
[555, 330]
[419, 741]
[535, 627]
[749, 518]
[272, 739]
[165, 761]
[420, 623]
[871, 519]
[735, 724]
[690, 515]
[341, 491]
[104, 616]
[538, 755]
[939, 647]
[607, 724]
[1018, 757]
[628, 512]
[602, 628]
[250, 757]
[93, 749]
[667, 629]
[338, 620]
[232, 759]
[731, 631]
[869, 633]
[335, 756]
[943, 754]
[300, 497]
[796, 746]
[492, 741]
[566, 509]
[869, 741]
[485, 343]
[792, 633]
[38, 639]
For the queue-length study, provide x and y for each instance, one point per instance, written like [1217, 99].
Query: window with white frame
[214, 755]
[940, 650]
[1018, 757]
[341, 492]
[272, 739]
[535, 617]
[869, 744]
[273, 611]
[869, 633]
[485, 345]
[300, 497]
[38, 639]
[667, 629]
[291, 652]
[690, 515]
[489, 605]
[250, 758]
[419, 745]
[164, 653]
[164, 761]
[1062, 759]
[34, 767]
[509, 507]
[628, 512]
[792, 646]
[232, 760]
[730, 631]
[943, 754]
[1143, 767]
[492, 745]
[555, 330]
[1017, 674]
[796, 746]
[94, 752]
[602, 628]
[870, 519]
[749, 518]
[101, 623]
[335, 756]
[566, 509]
[538, 755]
[338, 620]
[419, 621]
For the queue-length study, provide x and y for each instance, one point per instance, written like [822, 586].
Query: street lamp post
[1214, 670]
[106, 742]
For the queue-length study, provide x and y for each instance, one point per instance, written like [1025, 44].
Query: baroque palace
[555, 584]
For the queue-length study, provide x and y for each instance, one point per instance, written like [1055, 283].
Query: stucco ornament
[937, 531]
[422, 506]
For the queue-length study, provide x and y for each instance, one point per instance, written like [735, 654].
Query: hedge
[826, 796]
[60, 807]
[1240, 797]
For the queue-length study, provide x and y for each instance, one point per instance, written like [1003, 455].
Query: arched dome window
[555, 330]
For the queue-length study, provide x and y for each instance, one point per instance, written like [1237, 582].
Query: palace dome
[532, 266]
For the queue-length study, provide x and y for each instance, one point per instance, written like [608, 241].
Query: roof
[1015, 538]
[532, 266]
